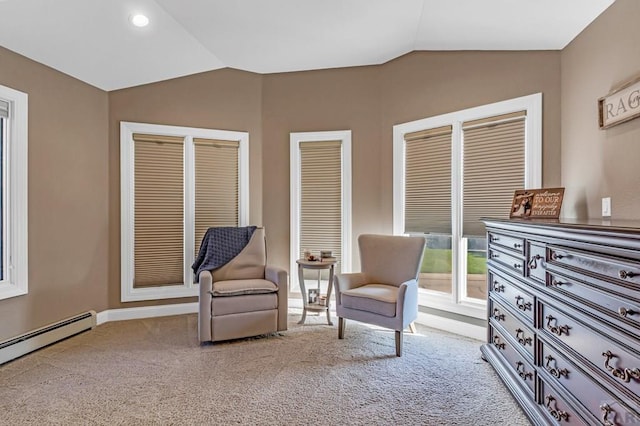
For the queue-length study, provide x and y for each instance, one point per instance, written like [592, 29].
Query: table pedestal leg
[329, 288]
[304, 294]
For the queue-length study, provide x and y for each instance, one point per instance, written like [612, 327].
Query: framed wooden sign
[622, 104]
[537, 203]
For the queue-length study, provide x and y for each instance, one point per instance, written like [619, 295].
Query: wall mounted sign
[537, 203]
[622, 104]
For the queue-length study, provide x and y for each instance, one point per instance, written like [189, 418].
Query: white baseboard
[146, 312]
[452, 326]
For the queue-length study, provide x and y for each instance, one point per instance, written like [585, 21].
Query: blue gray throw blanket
[220, 245]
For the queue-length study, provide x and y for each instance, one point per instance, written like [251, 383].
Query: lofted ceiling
[94, 41]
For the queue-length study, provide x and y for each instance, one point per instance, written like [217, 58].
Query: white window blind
[493, 167]
[159, 210]
[428, 181]
[4, 109]
[321, 197]
[216, 185]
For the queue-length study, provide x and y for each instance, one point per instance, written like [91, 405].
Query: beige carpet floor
[154, 372]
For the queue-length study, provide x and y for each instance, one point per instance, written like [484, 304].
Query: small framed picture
[313, 295]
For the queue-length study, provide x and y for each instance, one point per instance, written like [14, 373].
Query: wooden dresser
[564, 318]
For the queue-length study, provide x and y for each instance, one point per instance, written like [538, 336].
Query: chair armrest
[205, 279]
[407, 305]
[278, 276]
[344, 282]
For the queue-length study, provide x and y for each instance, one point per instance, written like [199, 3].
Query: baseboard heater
[44, 336]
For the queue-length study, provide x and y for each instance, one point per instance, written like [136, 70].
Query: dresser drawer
[520, 366]
[512, 295]
[506, 241]
[623, 270]
[596, 400]
[511, 262]
[622, 310]
[537, 261]
[560, 412]
[621, 365]
[521, 333]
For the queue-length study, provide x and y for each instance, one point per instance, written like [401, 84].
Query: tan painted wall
[600, 163]
[370, 100]
[76, 204]
[68, 196]
[224, 99]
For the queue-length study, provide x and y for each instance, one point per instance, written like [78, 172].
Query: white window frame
[189, 287]
[15, 218]
[344, 136]
[457, 302]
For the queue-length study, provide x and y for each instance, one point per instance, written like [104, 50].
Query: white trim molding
[15, 195]
[123, 314]
[189, 287]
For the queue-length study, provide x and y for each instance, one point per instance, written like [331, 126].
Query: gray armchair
[243, 298]
[385, 293]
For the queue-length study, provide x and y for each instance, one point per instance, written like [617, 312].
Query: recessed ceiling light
[139, 20]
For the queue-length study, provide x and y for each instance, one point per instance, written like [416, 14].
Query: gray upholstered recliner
[243, 298]
[385, 293]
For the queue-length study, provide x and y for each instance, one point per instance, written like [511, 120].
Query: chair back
[390, 259]
[249, 263]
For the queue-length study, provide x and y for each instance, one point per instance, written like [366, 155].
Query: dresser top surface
[601, 225]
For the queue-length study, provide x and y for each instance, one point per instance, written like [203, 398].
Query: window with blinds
[14, 252]
[450, 171]
[158, 210]
[493, 167]
[321, 197]
[216, 185]
[427, 194]
[175, 182]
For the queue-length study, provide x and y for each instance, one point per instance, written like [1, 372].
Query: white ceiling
[93, 40]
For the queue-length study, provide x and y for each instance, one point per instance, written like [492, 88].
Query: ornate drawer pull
[522, 305]
[626, 274]
[555, 329]
[522, 372]
[556, 283]
[623, 374]
[623, 312]
[553, 370]
[524, 341]
[497, 287]
[557, 256]
[533, 263]
[497, 343]
[497, 315]
[555, 413]
[606, 410]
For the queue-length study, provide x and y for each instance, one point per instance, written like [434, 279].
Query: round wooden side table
[315, 307]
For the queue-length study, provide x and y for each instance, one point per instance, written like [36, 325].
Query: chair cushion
[239, 287]
[221, 306]
[376, 298]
